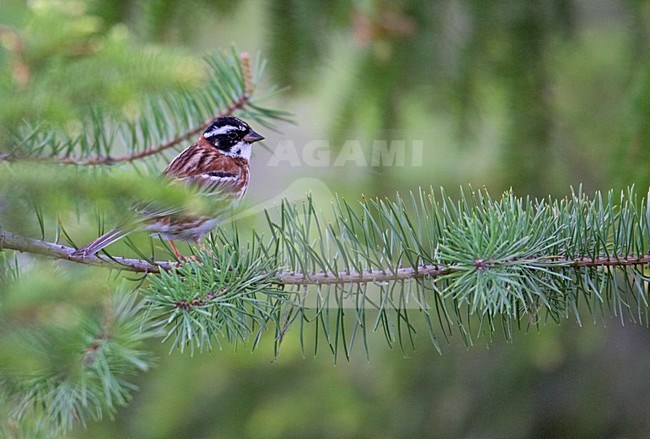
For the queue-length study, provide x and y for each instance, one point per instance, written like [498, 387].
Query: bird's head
[232, 136]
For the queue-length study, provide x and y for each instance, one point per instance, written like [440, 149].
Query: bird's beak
[252, 137]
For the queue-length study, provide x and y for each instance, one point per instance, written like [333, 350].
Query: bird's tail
[101, 242]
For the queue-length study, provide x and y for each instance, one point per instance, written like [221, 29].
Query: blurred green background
[537, 95]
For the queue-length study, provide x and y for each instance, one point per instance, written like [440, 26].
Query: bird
[218, 164]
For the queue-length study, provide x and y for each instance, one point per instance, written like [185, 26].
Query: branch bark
[11, 241]
[238, 104]
[156, 149]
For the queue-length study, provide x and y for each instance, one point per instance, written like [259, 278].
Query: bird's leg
[175, 249]
[179, 256]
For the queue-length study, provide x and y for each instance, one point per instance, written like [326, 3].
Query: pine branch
[474, 265]
[230, 87]
[58, 390]
[293, 230]
[436, 271]
[11, 241]
[238, 104]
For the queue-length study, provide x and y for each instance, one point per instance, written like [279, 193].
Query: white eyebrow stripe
[221, 130]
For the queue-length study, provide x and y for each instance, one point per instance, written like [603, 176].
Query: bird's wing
[215, 183]
[147, 211]
[210, 171]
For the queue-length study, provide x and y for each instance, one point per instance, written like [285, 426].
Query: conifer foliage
[423, 263]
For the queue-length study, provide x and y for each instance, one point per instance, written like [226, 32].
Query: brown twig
[366, 277]
[156, 149]
[435, 271]
[189, 304]
[14, 242]
[11, 241]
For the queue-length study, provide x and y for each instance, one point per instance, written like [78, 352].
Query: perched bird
[218, 164]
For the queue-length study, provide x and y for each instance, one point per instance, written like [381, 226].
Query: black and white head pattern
[232, 136]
